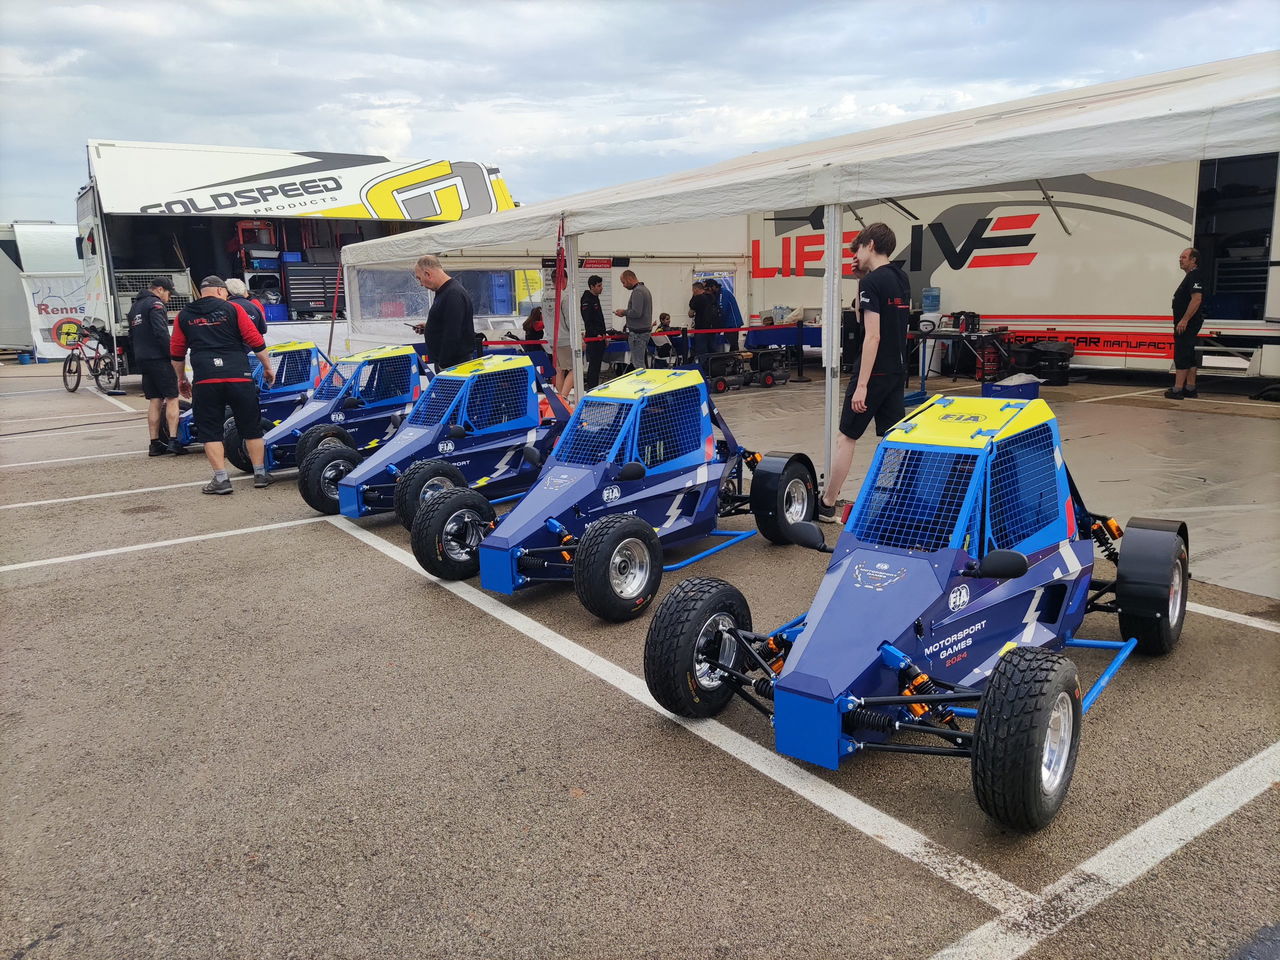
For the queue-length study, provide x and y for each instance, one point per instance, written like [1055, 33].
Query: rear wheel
[233, 447]
[447, 531]
[72, 372]
[686, 632]
[319, 474]
[106, 373]
[719, 385]
[780, 504]
[321, 433]
[767, 379]
[1157, 631]
[617, 567]
[1026, 738]
[420, 481]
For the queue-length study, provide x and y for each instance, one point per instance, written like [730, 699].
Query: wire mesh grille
[595, 427]
[339, 374]
[432, 407]
[915, 499]
[386, 379]
[1024, 486]
[670, 426]
[499, 397]
[293, 368]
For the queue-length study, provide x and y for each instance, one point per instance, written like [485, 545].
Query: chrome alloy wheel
[707, 676]
[1057, 744]
[629, 568]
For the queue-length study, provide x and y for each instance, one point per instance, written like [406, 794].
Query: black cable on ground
[68, 426]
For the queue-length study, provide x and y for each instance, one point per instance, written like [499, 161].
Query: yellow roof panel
[379, 353]
[488, 364]
[290, 345]
[969, 421]
[644, 383]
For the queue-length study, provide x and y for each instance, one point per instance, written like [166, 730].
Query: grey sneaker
[261, 480]
[217, 486]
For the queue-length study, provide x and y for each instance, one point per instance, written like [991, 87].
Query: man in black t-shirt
[1188, 316]
[593, 326]
[879, 364]
[700, 314]
[449, 332]
[148, 321]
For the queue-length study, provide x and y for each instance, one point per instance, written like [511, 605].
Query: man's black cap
[164, 283]
[213, 281]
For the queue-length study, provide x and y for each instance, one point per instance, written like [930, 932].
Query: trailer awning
[1223, 109]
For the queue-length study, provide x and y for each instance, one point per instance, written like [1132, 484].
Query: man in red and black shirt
[219, 335]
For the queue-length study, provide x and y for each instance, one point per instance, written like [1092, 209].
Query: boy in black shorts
[879, 364]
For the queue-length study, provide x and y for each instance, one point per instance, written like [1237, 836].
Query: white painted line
[23, 393]
[897, 836]
[112, 400]
[114, 493]
[62, 416]
[91, 456]
[159, 543]
[1019, 931]
[56, 432]
[1230, 403]
[1120, 396]
[1256, 622]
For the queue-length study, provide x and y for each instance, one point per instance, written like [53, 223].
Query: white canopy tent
[1222, 109]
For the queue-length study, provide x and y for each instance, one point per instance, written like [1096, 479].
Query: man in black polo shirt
[1187, 319]
[149, 334]
[593, 326]
[450, 331]
[700, 313]
[879, 363]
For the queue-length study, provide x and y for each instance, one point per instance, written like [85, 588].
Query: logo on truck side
[300, 190]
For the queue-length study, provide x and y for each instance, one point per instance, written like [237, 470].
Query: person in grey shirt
[639, 316]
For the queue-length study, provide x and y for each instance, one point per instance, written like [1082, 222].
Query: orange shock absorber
[913, 690]
[565, 541]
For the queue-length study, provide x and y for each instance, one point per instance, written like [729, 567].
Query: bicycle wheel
[106, 373]
[71, 372]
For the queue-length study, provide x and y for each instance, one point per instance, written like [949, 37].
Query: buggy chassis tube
[735, 536]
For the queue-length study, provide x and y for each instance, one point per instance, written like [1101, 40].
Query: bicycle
[90, 352]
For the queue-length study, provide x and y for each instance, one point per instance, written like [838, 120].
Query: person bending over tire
[219, 335]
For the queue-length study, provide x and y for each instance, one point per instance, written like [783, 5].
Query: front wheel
[319, 475]
[618, 567]
[689, 630]
[447, 531]
[72, 372]
[421, 480]
[1026, 738]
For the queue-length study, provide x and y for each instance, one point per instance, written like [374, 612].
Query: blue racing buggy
[963, 571]
[299, 366]
[360, 403]
[468, 429]
[638, 469]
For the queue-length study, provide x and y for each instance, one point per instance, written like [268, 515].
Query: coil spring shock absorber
[1105, 533]
[860, 718]
[919, 684]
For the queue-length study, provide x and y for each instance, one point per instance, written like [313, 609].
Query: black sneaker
[824, 513]
[1191, 393]
[219, 487]
[261, 480]
[177, 449]
[158, 448]
[1172, 394]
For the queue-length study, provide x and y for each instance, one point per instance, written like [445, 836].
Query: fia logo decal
[338, 417]
[610, 493]
[962, 417]
[959, 598]
[445, 446]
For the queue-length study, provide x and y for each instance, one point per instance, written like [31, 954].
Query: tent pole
[833, 220]
[573, 316]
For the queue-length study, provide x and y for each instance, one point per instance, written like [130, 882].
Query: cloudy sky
[563, 96]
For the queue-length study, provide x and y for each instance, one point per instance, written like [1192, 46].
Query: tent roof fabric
[1223, 109]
